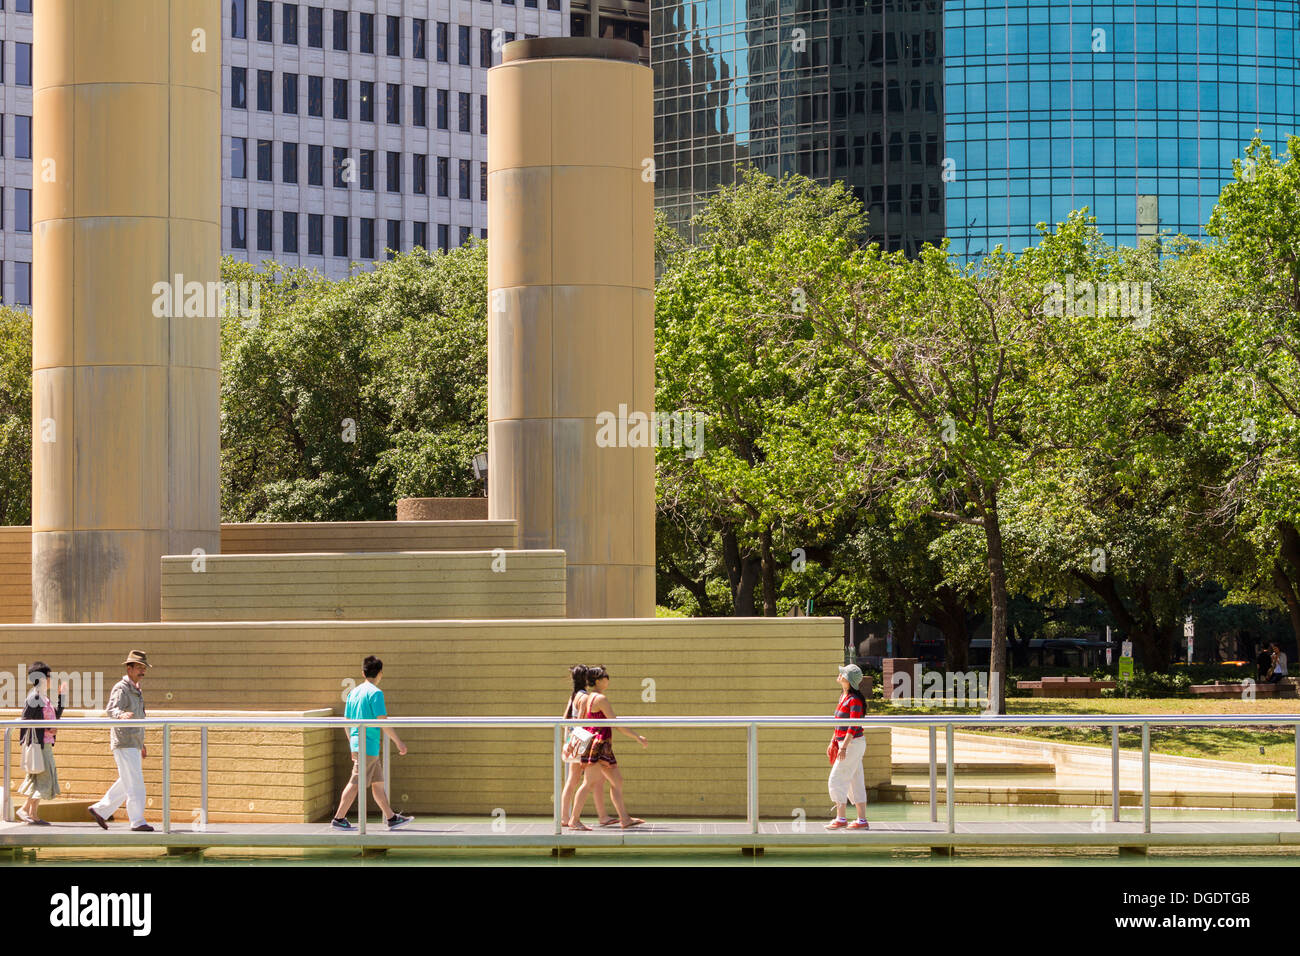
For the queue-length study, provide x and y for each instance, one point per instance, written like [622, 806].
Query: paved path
[449, 834]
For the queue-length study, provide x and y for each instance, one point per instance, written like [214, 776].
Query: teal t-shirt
[365, 701]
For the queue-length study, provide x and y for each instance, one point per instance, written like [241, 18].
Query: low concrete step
[1001, 768]
[58, 810]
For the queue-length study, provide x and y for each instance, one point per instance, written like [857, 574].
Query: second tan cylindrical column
[571, 313]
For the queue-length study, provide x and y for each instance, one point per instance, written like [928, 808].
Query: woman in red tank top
[600, 759]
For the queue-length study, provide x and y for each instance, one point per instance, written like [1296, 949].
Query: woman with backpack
[847, 782]
[577, 708]
[599, 758]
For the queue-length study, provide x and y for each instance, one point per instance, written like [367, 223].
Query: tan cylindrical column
[571, 312]
[127, 195]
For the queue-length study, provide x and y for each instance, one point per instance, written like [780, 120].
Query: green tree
[15, 416]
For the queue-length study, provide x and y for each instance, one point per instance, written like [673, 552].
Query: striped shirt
[849, 708]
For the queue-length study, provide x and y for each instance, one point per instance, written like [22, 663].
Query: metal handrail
[751, 724]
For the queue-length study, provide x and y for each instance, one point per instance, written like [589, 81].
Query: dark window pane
[315, 234]
[420, 235]
[367, 238]
[265, 226]
[289, 163]
[393, 241]
[341, 99]
[420, 175]
[463, 36]
[289, 94]
[23, 137]
[367, 43]
[315, 165]
[463, 101]
[239, 19]
[442, 42]
[341, 30]
[484, 47]
[238, 228]
[367, 101]
[394, 94]
[316, 27]
[315, 96]
[238, 157]
[442, 109]
[23, 64]
[264, 147]
[238, 88]
[464, 179]
[264, 78]
[394, 36]
[466, 231]
[368, 169]
[417, 39]
[394, 172]
[342, 168]
[442, 176]
[420, 106]
[290, 32]
[482, 181]
[482, 114]
[265, 30]
[289, 229]
[341, 237]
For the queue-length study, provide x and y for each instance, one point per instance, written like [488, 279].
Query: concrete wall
[276, 538]
[280, 776]
[15, 575]
[659, 667]
[408, 585]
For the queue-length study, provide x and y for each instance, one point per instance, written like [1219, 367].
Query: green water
[830, 856]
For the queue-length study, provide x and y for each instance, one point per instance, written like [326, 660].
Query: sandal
[607, 823]
[636, 822]
[577, 826]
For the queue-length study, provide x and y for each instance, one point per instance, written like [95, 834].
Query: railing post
[7, 807]
[934, 785]
[167, 778]
[1114, 773]
[556, 776]
[361, 780]
[1297, 771]
[203, 777]
[751, 777]
[388, 759]
[1146, 778]
[952, 797]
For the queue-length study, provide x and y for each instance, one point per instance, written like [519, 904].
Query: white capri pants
[848, 784]
[128, 788]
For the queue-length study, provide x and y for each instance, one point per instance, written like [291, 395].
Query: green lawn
[1218, 743]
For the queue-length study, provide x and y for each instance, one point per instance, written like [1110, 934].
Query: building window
[264, 79]
[315, 96]
[265, 220]
[289, 163]
[482, 181]
[552, 4]
[342, 166]
[420, 237]
[484, 47]
[367, 101]
[444, 242]
[290, 29]
[238, 88]
[393, 244]
[264, 147]
[442, 42]
[23, 283]
[316, 27]
[265, 30]
[341, 237]
[239, 19]
[442, 109]
[368, 169]
[341, 30]
[394, 93]
[464, 178]
[22, 210]
[442, 176]
[482, 114]
[315, 234]
[340, 99]
[367, 238]
[466, 231]
[22, 137]
[420, 175]
[238, 230]
[463, 102]
[417, 38]
[238, 157]
[463, 35]
[394, 171]
[289, 238]
[367, 33]
[315, 165]
[394, 36]
[289, 94]
[420, 105]
[530, 3]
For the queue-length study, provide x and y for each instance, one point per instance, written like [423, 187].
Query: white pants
[848, 784]
[129, 787]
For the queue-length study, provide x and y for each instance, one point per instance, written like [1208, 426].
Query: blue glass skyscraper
[1134, 109]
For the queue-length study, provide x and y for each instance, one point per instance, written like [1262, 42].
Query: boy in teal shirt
[366, 702]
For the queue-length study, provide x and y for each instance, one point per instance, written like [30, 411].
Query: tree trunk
[769, 573]
[1286, 571]
[742, 574]
[1282, 584]
[998, 602]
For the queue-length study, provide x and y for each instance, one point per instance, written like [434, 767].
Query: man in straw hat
[126, 702]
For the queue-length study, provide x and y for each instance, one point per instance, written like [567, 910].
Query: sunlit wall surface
[1132, 109]
[832, 89]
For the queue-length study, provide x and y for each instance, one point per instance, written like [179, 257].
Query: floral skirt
[43, 785]
[602, 751]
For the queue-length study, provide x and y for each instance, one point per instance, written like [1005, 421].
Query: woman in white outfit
[847, 783]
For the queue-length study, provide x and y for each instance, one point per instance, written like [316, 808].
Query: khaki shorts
[374, 769]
